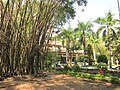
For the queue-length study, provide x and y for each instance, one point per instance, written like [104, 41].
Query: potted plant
[102, 67]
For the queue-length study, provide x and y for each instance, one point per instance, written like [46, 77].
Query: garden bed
[113, 78]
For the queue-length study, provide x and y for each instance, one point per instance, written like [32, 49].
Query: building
[56, 46]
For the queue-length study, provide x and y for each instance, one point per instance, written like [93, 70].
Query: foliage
[101, 48]
[68, 37]
[102, 65]
[66, 67]
[25, 29]
[116, 48]
[24, 34]
[115, 80]
[49, 59]
[93, 41]
[66, 10]
[108, 28]
[109, 31]
[90, 54]
[102, 58]
[82, 29]
[82, 59]
[105, 77]
[75, 67]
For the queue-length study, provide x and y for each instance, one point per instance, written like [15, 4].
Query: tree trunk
[94, 54]
[84, 46]
[67, 52]
[110, 50]
[110, 58]
[20, 24]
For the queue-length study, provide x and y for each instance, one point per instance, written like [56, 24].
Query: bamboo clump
[25, 29]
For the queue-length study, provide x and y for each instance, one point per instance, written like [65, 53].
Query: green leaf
[100, 30]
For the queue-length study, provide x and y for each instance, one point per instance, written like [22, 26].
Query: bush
[102, 58]
[66, 67]
[82, 59]
[72, 73]
[115, 80]
[99, 76]
[75, 67]
[102, 65]
[106, 77]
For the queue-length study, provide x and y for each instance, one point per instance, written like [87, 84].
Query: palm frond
[104, 35]
[100, 20]
[100, 30]
[76, 29]
[117, 28]
[88, 25]
[114, 35]
[115, 21]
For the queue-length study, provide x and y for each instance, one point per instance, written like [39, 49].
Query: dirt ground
[54, 81]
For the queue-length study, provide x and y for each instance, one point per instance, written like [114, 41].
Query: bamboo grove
[25, 29]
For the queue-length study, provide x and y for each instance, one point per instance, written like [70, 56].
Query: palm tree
[83, 28]
[101, 48]
[66, 35]
[109, 34]
[116, 48]
[89, 54]
[93, 40]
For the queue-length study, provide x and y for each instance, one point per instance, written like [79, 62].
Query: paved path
[54, 82]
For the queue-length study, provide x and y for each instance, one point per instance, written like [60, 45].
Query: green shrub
[82, 59]
[102, 58]
[115, 80]
[92, 77]
[82, 75]
[102, 65]
[99, 76]
[64, 72]
[78, 74]
[75, 67]
[66, 67]
[73, 73]
[87, 75]
[106, 77]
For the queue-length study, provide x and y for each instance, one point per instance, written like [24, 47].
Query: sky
[93, 10]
